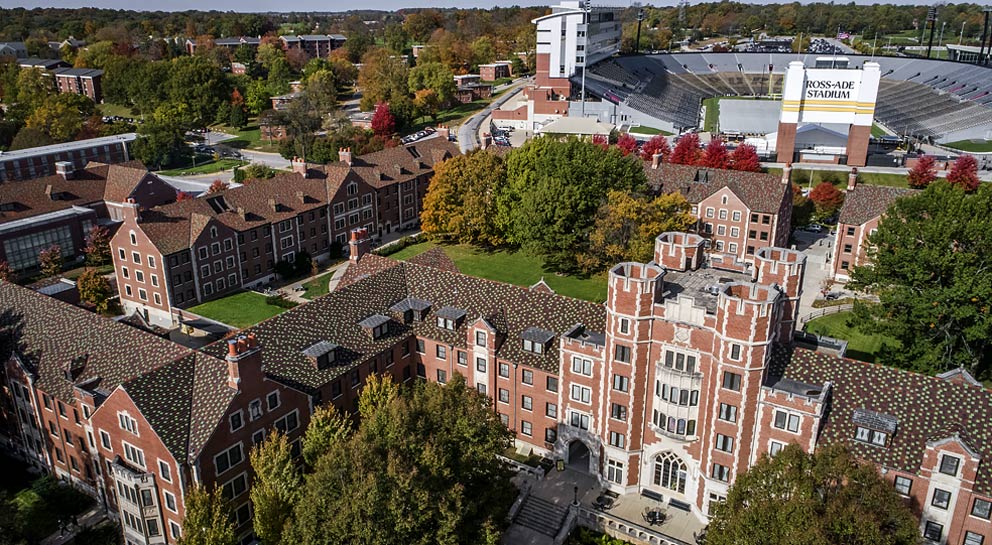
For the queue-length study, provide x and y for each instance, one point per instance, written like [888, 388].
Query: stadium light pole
[985, 32]
[586, 8]
[961, 37]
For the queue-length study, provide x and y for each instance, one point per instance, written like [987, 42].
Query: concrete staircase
[541, 515]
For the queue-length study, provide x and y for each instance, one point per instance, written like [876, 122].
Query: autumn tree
[426, 103]
[97, 247]
[964, 173]
[94, 288]
[825, 498]
[802, 208]
[183, 196]
[208, 518]
[275, 488]
[627, 224]
[50, 260]
[328, 426]
[217, 186]
[461, 198]
[927, 267]
[436, 77]
[745, 158]
[627, 144]
[716, 155]
[657, 144]
[827, 199]
[687, 150]
[383, 122]
[383, 79]
[239, 112]
[923, 172]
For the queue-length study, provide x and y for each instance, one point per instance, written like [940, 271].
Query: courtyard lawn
[513, 267]
[119, 110]
[316, 286]
[974, 146]
[209, 167]
[650, 131]
[859, 345]
[239, 310]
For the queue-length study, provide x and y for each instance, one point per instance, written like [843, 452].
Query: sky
[272, 5]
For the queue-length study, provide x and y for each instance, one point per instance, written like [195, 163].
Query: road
[984, 175]
[468, 132]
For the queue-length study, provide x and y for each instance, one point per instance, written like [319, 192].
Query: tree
[97, 247]
[395, 38]
[34, 86]
[926, 265]
[61, 116]
[162, 136]
[686, 150]
[802, 208]
[258, 97]
[825, 498]
[183, 196]
[483, 51]
[461, 197]
[964, 173]
[657, 144]
[217, 186]
[276, 487]
[198, 84]
[30, 137]
[382, 79]
[50, 260]
[422, 465]
[302, 120]
[256, 171]
[383, 122]
[627, 225]
[239, 112]
[553, 191]
[745, 158]
[6, 272]
[716, 155]
[923, 172]
[322, 89]
[208, 519]
[426, 103]
[826, 198]
[268, 53]
[360, 38]
[627, 144]
[328, 426]
[436, 77]
[94, 288]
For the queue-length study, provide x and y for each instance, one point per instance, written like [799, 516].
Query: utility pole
[941, 39]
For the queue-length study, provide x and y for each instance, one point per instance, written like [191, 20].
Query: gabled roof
[923, 409]
[868, 202]
[761, 192]
[435, 257]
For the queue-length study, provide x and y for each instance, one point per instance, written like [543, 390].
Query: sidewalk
[88, 519]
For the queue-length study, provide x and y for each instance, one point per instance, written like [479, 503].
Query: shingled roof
[335, 318]
[761, 192]
[868, 202]
[437, 258]
[951, 408]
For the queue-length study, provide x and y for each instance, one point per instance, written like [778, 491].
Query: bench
[651, 494]
[680, 505]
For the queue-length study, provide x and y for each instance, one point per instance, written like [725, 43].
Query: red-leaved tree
[716, 155]
[183, 196]
[627, 144]
[964, 173]
[657, 144]
[826, 198]
[601, 140]
[923, 172]
[686, 151]
[218, 186]
[745, 158]
[383, 121]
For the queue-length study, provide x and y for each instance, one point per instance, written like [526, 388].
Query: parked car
[505, 128]
[832, 296]
[813, 228]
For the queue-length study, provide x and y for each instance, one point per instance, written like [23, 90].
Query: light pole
[961, 37]
[941, 39]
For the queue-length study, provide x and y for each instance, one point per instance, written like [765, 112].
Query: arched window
[670, 472]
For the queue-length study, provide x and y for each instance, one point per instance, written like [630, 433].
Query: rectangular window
[579, 420]
[720, 473]
[724, 443]
[617, 439]
[981, 509]
[134, 455]
[933, 531]
[941, 499]
[527, 377]
[624, 326]
[230, 457]
[235, 487]
[552, 384]
[504, 395]
[581, 394]
[728, 413]
[621, 383]
[480, 364]
[786, 421]
[550, 435]
[551, 410]
[480, 338]
[420, 347]
[273, 400]
[462, 358]
[165, 471]
[581, 366]
[774, 448]
[170, 501]
[527, 403]
[442, 352]
[735, 352]
[504, 370]
[731, 381]
[903, 485]
[105, 440]
[237, 421]
[442, 376]
[971, 538]
[949, 465]
[526, 428]
[621, 353]
[128, 423]
[618, 412]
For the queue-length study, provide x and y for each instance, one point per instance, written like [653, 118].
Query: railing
[520, 467]
[623, 528]
[803, 320]
[518, 503]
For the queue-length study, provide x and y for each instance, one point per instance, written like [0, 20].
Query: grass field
[116, 109]
[974, 146]
[877, 131]
[240, 310]
[210, 167]
[650, 131]
[249, 137]
[712, 121]
[452, 116]
[514, 268]
[859, 346]
[316, 287]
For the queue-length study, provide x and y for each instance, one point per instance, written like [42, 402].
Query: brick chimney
[787, 174]
[130, 211]
[299, 166]
[360, 244]
[244, 361]
[273, 206]
[344, 155]
[852, 179]
[655, 161]
[48, 192]
[486, 140]
[64, 169]
[444, 132]
[300, 196]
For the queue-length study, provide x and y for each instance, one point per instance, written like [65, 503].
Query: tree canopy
[928, 263]
[461, 198]
[207, 520]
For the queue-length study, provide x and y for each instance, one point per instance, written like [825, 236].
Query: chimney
[244, 361]
[787, 174]
[344, 155]
[301, 197]
[273, 206]
[64, 169]
[444, 132]
[655, 160]
[130, 211]
[486, 139]
[48, 192]
[241, 212]
[360, 244]
[852, 179]
[299, 166]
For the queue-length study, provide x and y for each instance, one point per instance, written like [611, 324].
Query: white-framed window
[142, 294]
[582, 366]
[614, 471]
[981, 508]
[941, 499]
[273, 400]
[872, 437]
[230, 457]
[724, 442]
[151, 262]
[581, 394]
[105, 440]
[578, 420]
[735, 352]
[480, 338]
[136, 257]
[775, 447]
[526, 428]
[720, 472]
[237, 420]
[255, 409]
[971, 538]
[787, 421]
[134, 240]
[174, 530]
[127, 423]
[134, 454]
[158, 298]
[949, 465]
[737, 215]
[165, 471]
[170, 501]
[624, 326]
[618, 440]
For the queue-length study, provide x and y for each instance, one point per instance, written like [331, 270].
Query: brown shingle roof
[761, 192]
[926, 408]
[122, 178]
[435, 257]
[867, 202]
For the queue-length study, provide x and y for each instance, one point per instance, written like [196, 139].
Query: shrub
[279, 301]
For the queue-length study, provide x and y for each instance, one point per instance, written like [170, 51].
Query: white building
[576, 33]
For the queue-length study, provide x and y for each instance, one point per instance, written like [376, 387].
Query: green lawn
[209, 167]
[513, 267]
[650, 131]
[116, 109]
[452, 116]
[712, 121]
[974, 146]
[316, 287]
[240, 310]
[877, 131]
[859, 345]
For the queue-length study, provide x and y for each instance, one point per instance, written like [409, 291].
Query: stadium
[928, 100]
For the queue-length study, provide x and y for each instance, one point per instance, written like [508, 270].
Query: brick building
[859, 216]
[34, 162]
[683, 378]
[80, 81]
[739, 212]
[61, 208]
[315, 45]
[494, 71]
[174, 256]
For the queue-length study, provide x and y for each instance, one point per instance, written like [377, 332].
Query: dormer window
[450, 318]
[873, 428]
[949, 465]
[322, 354]
[377, 325]
[535, 340]
[531, 346]
[411, 309]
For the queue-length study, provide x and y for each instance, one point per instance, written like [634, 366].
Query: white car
[505, 128]
[814, 228]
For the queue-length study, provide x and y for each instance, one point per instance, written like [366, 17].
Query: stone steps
[541, 516]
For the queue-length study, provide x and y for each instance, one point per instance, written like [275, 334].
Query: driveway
[468, 132]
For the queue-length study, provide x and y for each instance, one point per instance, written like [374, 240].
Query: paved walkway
[90, 518]
[469, 130]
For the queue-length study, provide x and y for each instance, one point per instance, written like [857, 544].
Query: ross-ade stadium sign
[826, 89]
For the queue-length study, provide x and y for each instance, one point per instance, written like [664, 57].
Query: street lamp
[575, 500]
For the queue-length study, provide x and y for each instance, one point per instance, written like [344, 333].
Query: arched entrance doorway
[578, 456]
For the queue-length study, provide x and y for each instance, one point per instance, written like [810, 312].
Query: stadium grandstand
[935, 100]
